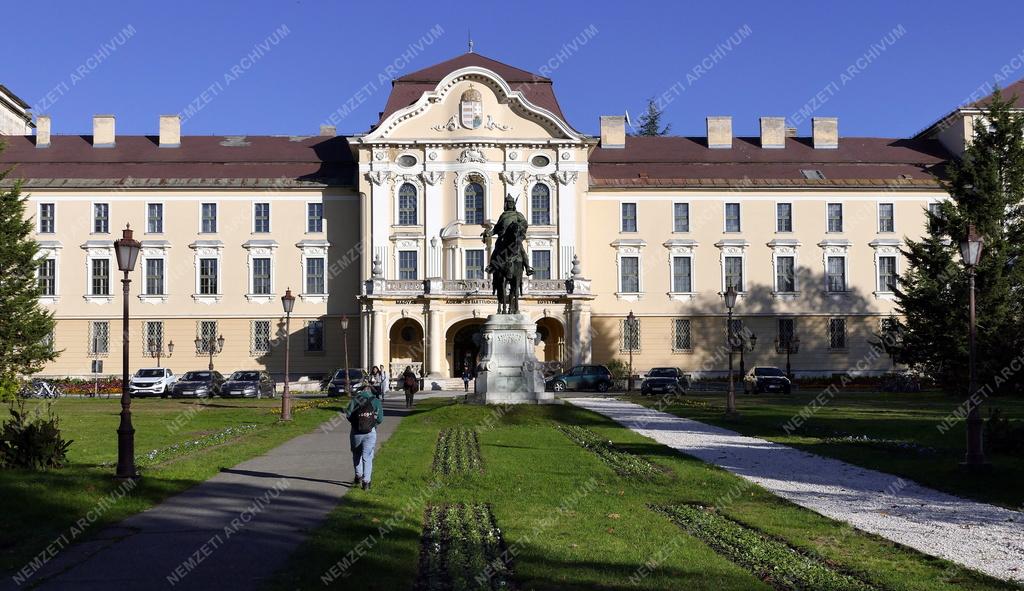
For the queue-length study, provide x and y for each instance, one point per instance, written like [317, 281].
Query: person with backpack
[364, 412]
[409, 384]
[467, 375]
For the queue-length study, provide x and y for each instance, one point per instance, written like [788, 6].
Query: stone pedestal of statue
[508, 371]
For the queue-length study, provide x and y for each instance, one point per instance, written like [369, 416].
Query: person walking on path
[383, 381]
[375, 381]
[409, 385]
[467, 375]
[364, 412]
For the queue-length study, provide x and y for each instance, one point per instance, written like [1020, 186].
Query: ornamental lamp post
[213, 347]
[744, 343]
[730, 303]
[288, 302]
[788, 345]
[344, 336]
[127, 252]
[970, 252]
[156, 349]
[631, 342]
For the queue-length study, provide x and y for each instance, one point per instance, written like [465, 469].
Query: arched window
[407, 205]
[471, 107]
[474, 203]
[540, 205]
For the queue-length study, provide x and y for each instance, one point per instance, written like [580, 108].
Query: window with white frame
[99, 337]
[629, 274]
[541, 263]
[936, 210]
[47, 274]
[154, 218]
[261, 218]
[732, 217]
[474, 264]
[209, 276]
[407, 205]
[835, 274]
[540, 205]
[682, 274]
[208, 218]
[101, 218]
[734, 272]
[886, 218]
[314, 217]
[681, 335]
[206, 331]
[835, 217]
[628, 217]
[887, 273]
[154, 276]
[837, 334]
[261, 276]
[783, 217]
[99, 280]
[680, 217]
[259, 337]
[629, 335]
[47, 218]
[407, 264]
[473, 200]
[315, 335]
[153, 337]
[315, 278]
[785, 273]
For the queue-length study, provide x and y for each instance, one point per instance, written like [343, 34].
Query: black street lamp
[745, 343]
[156, 349]
[730, 303]
[288, 302]
[631, 343]
[127, 251]
[787, 344]
[213, 347]
[344, 336]
[970, 251]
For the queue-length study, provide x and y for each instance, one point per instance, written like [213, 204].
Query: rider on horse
[508, 260]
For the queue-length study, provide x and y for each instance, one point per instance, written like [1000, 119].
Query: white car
[151, 381]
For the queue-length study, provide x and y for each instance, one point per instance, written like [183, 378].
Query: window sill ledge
[260, 298]
[314, 298]
[152, 299]
[786, 295]
[682, 296]
[49, 300]
[884, 295]
[207, 298]
[99, 299]
[629, 297]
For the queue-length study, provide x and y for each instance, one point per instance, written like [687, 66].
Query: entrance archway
[551, 349]
[406, 346]
[462, 346]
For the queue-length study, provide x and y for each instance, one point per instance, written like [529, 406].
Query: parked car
[582, 377]
[336, 384]
[248, 384]
[198, 384]
[767, 379]
[151, 381]
[664, 379]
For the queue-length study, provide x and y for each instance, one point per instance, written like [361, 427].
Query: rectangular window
[407, 268]
[153, 337]
[100, 280]
[540, 206]
[630, 335]
[260, 337]
[837, 334]
[629, 274]
[836, 274]
[787, 330]
[628, 217]
[99, 337]
[101, 218]
[407, 201]
[682, 275]
[314, 217]
[732, 217]
[783, 217]
[474, 205]
[48, 277]
[315, 275]
[886, 219]
[680, 217]
[154, 218]
[209, 218]
[734, 273]
[785, 273]
[207, 332]
[541, 261]
[886, 273]
[261, 218]
[47, 218]
[681, 335]
[835, 217]
[474, 264]
[208, 280]
[154, 277]
[315, 335]
[261, 276]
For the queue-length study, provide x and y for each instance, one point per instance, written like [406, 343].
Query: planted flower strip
[457, 452]
[462, 548]
[624, 463]
[163, 454]
[770, 559]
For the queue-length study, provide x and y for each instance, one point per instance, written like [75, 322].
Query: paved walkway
[231, 532]
[978, 536]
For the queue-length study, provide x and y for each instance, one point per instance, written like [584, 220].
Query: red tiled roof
[1015, 91]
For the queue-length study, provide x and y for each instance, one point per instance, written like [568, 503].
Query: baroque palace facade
[385, 228]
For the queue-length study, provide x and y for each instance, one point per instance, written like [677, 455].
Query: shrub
[8, 389]
[619, 369]
[31, 439]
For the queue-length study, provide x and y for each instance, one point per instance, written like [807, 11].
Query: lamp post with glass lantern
[787, 344]
[631, 343]
[344, 336]
[156, 349]
[288, 303]
[127, 251]
[730, 303]
[213, 347]
[745, 344]
[970, 252]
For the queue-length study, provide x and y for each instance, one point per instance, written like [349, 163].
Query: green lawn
[574, 523]
[43, 506]
[913, 446]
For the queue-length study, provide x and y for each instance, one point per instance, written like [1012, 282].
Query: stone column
[364, 338]
[566, 222]
[380, 340]
[581, 335]
[435, 347]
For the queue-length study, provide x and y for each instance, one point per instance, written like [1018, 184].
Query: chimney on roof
[825, 132]
[720, 132]
[328, 130]
[170, 131]
[103, 131]
[613, 131]
[773, 132]
[43, 131]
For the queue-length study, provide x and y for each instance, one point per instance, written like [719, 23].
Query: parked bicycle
[40, 389]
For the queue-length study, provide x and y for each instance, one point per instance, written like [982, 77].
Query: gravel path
[978, 536]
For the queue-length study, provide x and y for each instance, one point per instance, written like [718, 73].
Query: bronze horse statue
[508, 258]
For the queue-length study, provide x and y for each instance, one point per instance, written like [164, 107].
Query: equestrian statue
[508, 260]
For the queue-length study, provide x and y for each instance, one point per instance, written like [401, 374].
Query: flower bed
[622, 462]
[772, 560]
[457, 452]
[304, 405]
[107, 385]
[462, 548]
[158, 456]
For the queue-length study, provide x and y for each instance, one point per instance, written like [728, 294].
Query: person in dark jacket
[410, 384]
[363, 443]
[467, 375]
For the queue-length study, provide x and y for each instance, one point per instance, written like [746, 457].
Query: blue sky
[884, 68]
